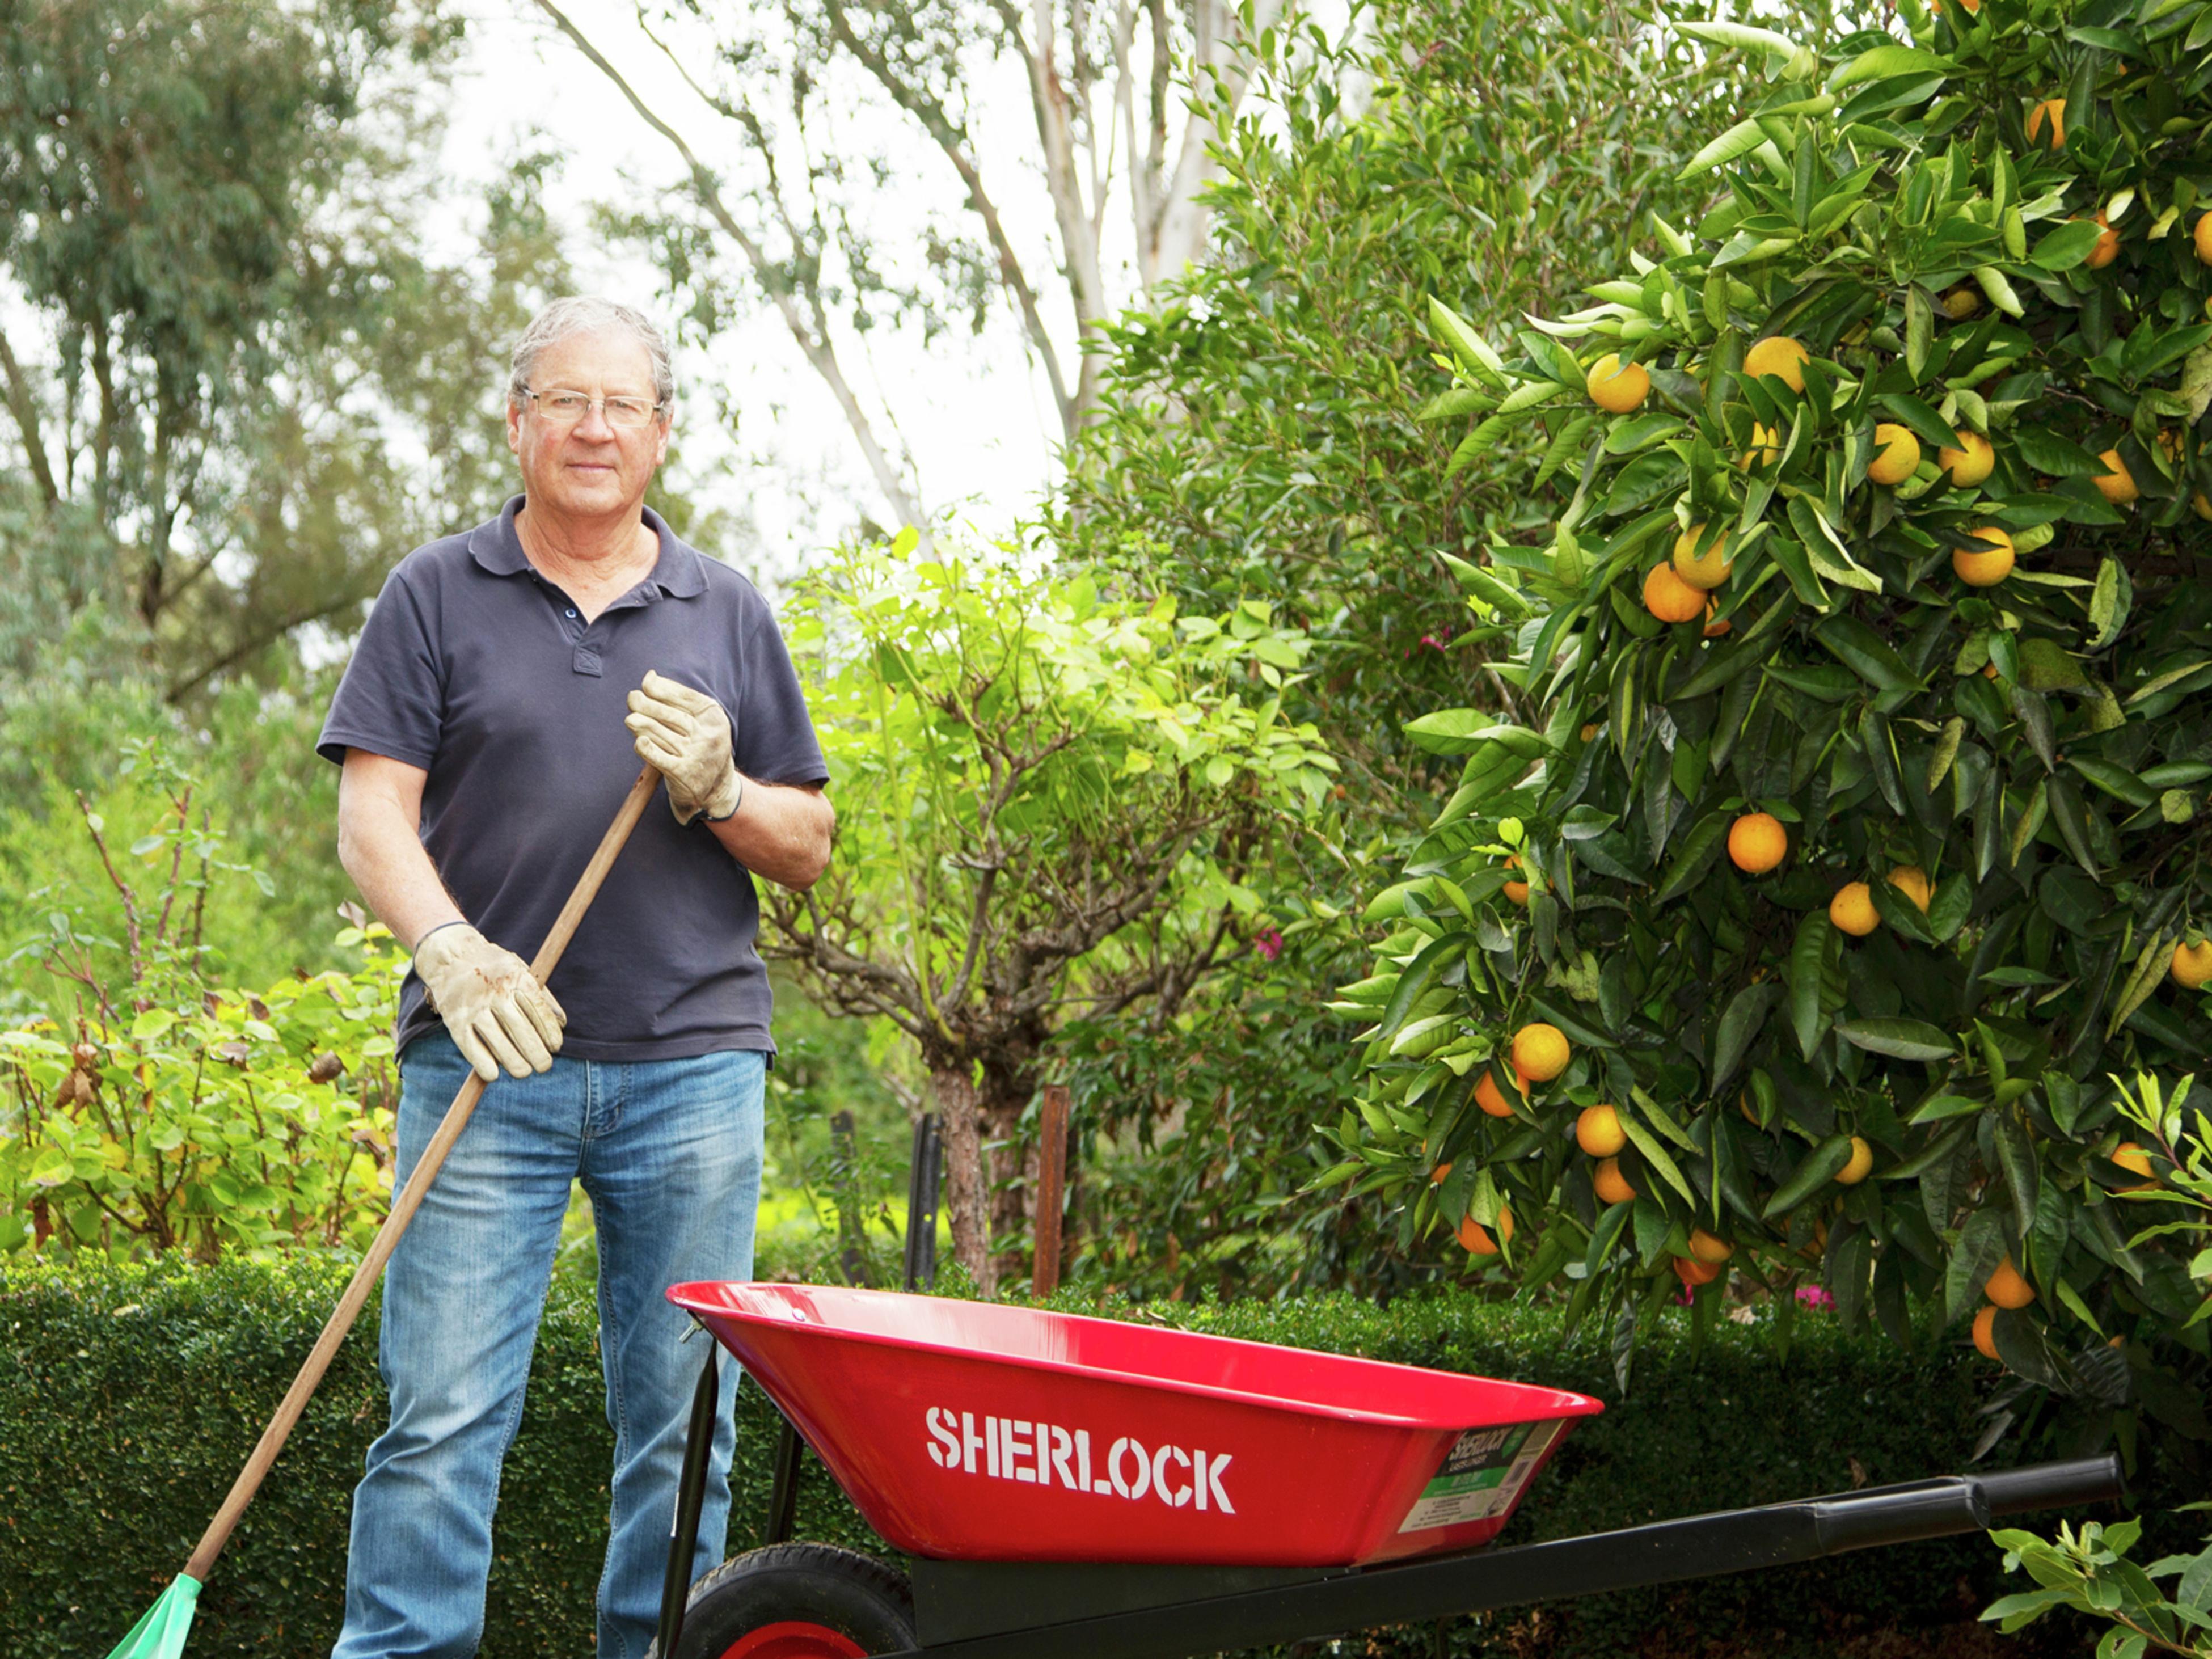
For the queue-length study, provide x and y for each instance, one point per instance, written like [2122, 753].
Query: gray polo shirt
[481, 672]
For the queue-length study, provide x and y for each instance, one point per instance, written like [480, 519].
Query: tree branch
[25, 411]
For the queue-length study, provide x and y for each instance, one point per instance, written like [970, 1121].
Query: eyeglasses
[566, 408]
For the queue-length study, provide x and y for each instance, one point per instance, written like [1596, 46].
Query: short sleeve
[391, 700]
[774, 739]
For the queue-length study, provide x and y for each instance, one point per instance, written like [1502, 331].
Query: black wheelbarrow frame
[1018, 1610]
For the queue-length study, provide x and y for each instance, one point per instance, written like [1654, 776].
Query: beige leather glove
[495, 1009]
[686, 734]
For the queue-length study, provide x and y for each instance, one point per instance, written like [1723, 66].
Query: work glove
[495, 1009]
[686, 734]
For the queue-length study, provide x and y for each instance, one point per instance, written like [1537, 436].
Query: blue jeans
[669, 1154]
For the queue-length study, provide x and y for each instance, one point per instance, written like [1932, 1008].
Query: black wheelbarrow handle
[1153, 1612]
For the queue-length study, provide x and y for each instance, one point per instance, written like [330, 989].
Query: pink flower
[1268, 943]
[1812, 1296]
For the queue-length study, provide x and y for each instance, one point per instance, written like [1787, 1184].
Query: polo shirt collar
[678, 573]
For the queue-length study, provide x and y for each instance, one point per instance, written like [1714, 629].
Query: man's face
[587, 467]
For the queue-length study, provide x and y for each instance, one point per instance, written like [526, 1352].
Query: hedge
[129, 1396]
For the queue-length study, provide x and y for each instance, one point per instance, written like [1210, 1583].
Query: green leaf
[2068, 246]
[1653, 1154]
[1739, 140]
[1747, 1013]
[1865, 653]
[1808, 958]
[1821, 1165]
[1901, 1039]
[1699, 852]
[1884, 63]
[151, 1025]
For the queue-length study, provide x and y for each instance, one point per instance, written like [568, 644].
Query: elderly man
[489, 724]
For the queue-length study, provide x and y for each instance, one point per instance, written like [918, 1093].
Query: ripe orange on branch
[1860, 1167]
[2192, 964]
[1670, 598]
[1985, 1324]
[1757, 842]
[1971, 462]
[1540, 1051]
[1612, 1186]
[1897, 454]
[1780, 356]
[1489, 1097]
[1615, 387]
[2049, 114]
[1911, 880]
[2116, 484]
[2006, 1288]
[1701, 561]
[1476, 1237]
[1694, 1272]
[1985, 563]
[1852, 909]
[1598, 1132]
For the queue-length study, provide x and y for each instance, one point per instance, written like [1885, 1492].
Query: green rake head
[161, 1634]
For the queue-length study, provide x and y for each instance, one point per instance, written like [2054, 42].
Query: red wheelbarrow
[1087, 1489]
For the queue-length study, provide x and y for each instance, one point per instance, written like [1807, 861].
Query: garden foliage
[1983, 229]
[1049, 800]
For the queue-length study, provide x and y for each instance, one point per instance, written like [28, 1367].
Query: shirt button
[572, 611]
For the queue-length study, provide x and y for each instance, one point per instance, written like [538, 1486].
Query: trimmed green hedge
[130, 1396]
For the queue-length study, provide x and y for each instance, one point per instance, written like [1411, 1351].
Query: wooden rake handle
[410, 1198]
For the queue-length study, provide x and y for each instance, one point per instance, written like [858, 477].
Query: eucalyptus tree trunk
[967, 1193]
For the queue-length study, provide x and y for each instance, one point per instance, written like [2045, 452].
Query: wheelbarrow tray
[971, 1432]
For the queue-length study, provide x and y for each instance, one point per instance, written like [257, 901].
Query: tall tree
[239, 388]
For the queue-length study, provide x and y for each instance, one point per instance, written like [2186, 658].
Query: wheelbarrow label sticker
[1481, 1476]
[1047, 1454]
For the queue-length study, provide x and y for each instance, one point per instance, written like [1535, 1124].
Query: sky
[975, 414]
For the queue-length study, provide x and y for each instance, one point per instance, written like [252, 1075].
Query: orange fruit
[1589, 731]
[1598, 1132]
[1616, 388]
[1694, 1272]
[1971, 462]
[2116, 484]
[1476, 1237]
[1517, 891]
[1612, 1186]
[1489, 1097]
[2106, 248]
[1670, 598]
[2202, 237]
[1437, 1175]
[1962, 302]
[1897, 454]
[1852, 909]
[1540, 1051]
[2006, 1288]
[1779, 355]
[1860, 1167]
[2200, 503]
[1706, 1248]
[1987, 564]
[1985, 1323]
[1972, 6]
[2050, 112]
[2132, 1158]
[1704, 565]
[1757, 842]
[1911, 880]
[1766, 448]
[2192, 964]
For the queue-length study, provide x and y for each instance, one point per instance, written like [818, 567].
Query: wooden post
[1052, 1188]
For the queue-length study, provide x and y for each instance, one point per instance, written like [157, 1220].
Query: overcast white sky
[977, 420]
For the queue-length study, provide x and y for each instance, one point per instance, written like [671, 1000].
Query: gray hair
[587, 313]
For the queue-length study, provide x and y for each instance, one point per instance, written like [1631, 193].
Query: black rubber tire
[856, 1595]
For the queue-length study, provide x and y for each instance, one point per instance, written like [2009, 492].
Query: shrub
[1989, 799]
[173, 1115]
[147, 1383]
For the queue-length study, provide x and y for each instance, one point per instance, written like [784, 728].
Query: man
[490, 722]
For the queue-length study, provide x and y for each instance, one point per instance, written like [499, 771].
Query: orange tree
[1843, 830]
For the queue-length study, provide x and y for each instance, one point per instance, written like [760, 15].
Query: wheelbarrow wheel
[797, 1602]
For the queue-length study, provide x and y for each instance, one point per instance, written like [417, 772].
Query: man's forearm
[384, 855]
[780, 832]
